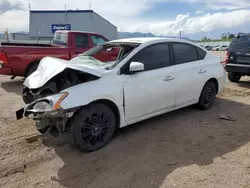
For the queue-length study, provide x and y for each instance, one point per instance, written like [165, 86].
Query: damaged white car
[89, 99]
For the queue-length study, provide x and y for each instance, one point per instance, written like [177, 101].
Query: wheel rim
[209, 94]
[96, 128]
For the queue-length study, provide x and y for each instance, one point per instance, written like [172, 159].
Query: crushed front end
[48, 114]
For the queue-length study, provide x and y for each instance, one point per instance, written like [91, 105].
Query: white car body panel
[43, 74]
[141, 95]
[140, 98]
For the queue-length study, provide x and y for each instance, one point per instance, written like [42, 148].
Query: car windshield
[108, 54]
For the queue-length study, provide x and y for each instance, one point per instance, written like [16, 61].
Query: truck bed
[25, 44]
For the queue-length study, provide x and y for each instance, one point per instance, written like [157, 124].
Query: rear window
[201, 53]
[60, 39]
[241, 43]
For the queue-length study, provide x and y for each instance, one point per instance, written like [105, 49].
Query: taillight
[3, 58]
[227, 57]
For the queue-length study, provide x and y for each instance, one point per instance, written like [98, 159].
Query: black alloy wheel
[93, 127]
[207, 96]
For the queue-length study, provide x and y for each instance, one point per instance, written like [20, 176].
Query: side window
[97, 40]
[82, 41]
[184, 53]
[153, 57]
[201, 53]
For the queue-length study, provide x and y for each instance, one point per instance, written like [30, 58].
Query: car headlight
[42, 105]
[50, 103]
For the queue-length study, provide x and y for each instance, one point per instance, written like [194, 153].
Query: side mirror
[136, 67]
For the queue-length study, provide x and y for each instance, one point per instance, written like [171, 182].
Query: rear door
[190, 72]
[80, 44]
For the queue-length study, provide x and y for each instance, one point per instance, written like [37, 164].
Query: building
[43, 24]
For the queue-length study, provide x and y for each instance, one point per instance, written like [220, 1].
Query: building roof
[68, 11]
[61, 11]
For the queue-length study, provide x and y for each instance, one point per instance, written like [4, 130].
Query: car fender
[86, 93]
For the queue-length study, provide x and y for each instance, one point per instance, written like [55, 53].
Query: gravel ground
[185, 148]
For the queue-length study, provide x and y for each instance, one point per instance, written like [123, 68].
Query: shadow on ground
[144, 154]
[244, 84]
[14, 86]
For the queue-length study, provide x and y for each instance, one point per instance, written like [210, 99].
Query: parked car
[20, 59]
[88, 99]
[238, 58]
[220, 48]
[208, 47]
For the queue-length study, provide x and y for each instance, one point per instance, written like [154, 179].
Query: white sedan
[88, 99]
[220, 48]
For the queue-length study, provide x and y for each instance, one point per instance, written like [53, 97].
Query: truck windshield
[60, 39]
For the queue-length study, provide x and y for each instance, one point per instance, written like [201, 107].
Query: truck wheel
[234, 77]
[93, 127]
[207, 96]
[31, 69]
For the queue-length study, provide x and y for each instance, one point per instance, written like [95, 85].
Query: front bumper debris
[53, 120]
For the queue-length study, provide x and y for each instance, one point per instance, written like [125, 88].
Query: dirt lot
[186, 148]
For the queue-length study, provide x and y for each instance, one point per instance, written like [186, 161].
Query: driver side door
[152, 91]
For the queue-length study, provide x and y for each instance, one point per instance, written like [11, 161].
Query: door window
[184, 53]
[201, 53]
[97, 40]
[153, 57]
[82, 41]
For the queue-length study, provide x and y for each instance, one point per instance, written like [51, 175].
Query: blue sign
[56, 27]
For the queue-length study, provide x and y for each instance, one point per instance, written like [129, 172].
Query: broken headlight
[50, 103]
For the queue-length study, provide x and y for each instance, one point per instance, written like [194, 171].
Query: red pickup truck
[19, 59]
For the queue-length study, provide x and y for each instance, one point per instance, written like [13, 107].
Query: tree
[231, 36]
[204, 39]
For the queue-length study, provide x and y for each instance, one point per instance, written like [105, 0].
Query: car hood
[50, 67]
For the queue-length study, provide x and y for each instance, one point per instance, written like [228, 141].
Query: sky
[194, 18]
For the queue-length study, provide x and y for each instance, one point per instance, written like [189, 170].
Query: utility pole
[7, 35]
[180, 35]
[65, 8]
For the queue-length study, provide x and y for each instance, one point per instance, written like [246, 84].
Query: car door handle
[202, 71]
[169, 78]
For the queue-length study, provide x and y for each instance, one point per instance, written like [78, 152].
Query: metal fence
[215, 43]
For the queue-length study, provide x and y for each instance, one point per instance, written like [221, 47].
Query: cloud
[125, 14]
[197, 24]
[199, 12]
[6, 5]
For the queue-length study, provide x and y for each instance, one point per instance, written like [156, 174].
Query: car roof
[142, 40]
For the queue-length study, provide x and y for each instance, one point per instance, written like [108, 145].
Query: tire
[31, 69]
[91, 128]
[207, 96]
[217, 49]
[234, 77]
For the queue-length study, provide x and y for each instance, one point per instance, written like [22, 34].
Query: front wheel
[234, 77]
[207, 96]
[93, 127]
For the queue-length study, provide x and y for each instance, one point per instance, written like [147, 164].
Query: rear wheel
[93, 127]
[207, 96]
[234, 77]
